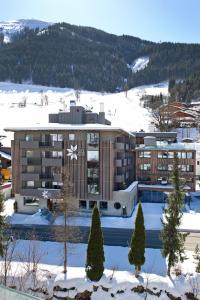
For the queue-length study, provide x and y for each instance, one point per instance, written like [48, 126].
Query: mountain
[87, 58]
[10, 28]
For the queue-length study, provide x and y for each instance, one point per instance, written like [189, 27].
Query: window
[117, 205]
[30, 183]
[145, 154]
[57, 154]
[92, 204]
[57, 137]
[93, 155]
[170, 154]
[145, 167]
[43, 184]
[29, 137]
[93, 138]
[184, 155]
[162, 167]
[56, 185]
[83, 204]
[93, 188]
[103, 205]
[170, 167]
[31, 201]
[71, 137]
[30, 169]
[93, 172]
[29, 153]
[189, 155]
[198, 162]
[162, 154]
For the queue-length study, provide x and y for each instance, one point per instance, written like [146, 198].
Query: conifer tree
[136, 254]
[197, 258]
[172, 239]
[2, 223]
[95, 252]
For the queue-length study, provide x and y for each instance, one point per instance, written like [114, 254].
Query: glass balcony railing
[10, 294]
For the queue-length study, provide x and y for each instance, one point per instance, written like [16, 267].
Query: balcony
[29, 144]
[38, 192]
[29, 176]
[30, 161]
[51, 144]
[53, 161]
[47, 176]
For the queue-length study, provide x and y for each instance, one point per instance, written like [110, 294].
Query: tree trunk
[169, 270]
[137, 271]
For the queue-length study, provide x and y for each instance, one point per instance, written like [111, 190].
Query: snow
[153, 214]
[9, 28]
[123, 112]
[139, 64]
[118, 273]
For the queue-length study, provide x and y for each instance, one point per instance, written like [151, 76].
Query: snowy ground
[50, 259]
[153, 213]
[123, 112]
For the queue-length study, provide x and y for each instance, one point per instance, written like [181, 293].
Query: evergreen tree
[95, 252]
[172, 239]
[136, 254]
[2, 223]
[197, 258]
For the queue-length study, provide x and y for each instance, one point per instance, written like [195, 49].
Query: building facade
[102, 174]
[154, 165]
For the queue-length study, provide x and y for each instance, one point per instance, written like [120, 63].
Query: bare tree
[67, 207]
[7, 258]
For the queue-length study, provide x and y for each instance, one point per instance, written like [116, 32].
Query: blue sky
[156, 20]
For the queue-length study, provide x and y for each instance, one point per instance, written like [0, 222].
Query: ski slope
[122, 111]
[139, 64]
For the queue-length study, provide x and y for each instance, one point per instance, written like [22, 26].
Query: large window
[29, 137]
[189, 155]
[93, 155]
[162, 167]
[31, 201]
[30, 183]
[93, 162]
[145, 167]
[146, 154]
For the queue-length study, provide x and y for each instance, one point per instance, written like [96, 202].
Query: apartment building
[154, 164]
[98, 157]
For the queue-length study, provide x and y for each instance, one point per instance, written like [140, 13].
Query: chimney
[101, 107]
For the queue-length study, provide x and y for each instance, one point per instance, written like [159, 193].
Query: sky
[155, 20]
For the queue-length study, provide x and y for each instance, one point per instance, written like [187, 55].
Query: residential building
[102, 174]
[154, 165]
[169, 137]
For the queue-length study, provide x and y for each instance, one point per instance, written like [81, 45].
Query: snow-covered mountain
[8, 28]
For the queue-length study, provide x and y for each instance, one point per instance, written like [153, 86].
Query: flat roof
[57, 126]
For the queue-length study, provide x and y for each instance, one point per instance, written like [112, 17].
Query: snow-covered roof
[5, 155]
[57, 126]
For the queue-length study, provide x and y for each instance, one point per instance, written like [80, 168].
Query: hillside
[86, 58]
[121, 111]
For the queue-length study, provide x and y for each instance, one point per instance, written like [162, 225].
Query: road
[112, 236]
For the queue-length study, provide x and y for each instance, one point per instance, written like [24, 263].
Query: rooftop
[57, 126]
